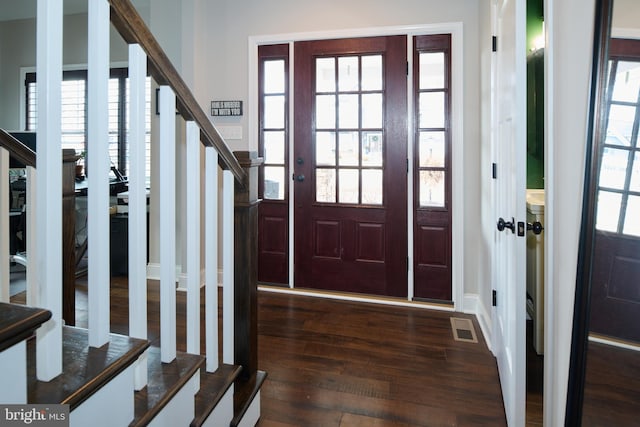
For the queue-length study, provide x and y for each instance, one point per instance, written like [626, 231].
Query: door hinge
[407, 263]
[494, 170]
[407, 68]
[494, 301]
[494, 44]
[407, 165]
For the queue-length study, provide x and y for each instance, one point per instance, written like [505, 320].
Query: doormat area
[463, 330]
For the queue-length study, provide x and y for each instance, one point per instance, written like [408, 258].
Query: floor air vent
[463, 330]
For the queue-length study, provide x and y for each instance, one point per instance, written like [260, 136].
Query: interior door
[350, 171]
[509, 137]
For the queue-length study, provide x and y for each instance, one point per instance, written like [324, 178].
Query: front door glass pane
[325, 111]
[349, 186]
[348, 111]
[274, 182]
[372, 72]
[372, 148]
[620, 129]
[274, 112]
[608, 211]
[326, 185]
[348, 76]
[372, 186]
[627, 83]
[372, 111]
[325, 75]
[348, 149]
[325, 148]
[631, 223]
[613, 171]
[274, 76]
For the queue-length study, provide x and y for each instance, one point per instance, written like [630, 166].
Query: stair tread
[213, 386]
[164, 382]
[245, 390]
[18, 322]
[84, 369]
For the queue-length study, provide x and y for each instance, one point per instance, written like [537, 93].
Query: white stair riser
[251, 417]
[223, 412]
[13, 370]
[111, 406]
[180, 411]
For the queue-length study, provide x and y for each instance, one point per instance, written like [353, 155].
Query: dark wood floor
[334, 363]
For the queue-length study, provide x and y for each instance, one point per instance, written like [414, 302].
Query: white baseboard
[473, 305]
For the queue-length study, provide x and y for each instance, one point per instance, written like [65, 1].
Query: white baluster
[167, 238]
[49, 191]
[4, 226]
[99, 166]
[137, 206]
[211, 257]
[227, 267]
[193, 237]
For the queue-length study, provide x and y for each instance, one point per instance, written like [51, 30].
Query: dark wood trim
[245, 393]
[18, 322]
[246, 266]
[133, 30]
[18, 150]
[579, 338]
[213, 387]
[69, 159]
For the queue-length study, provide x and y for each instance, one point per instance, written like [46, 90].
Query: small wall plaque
[226, 108]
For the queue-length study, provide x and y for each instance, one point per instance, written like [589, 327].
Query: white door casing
[509, 148]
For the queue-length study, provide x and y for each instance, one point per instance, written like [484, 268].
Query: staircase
[110, 379]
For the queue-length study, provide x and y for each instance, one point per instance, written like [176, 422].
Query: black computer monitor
[28, 139]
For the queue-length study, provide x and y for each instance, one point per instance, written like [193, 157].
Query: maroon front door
[350, 165]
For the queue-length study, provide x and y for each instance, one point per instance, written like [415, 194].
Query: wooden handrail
[132, 28]
[18, 150]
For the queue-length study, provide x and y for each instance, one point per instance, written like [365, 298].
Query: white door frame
[457, 131]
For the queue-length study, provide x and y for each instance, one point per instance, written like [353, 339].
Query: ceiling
[22, 9]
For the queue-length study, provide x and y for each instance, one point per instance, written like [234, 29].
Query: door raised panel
[370, 242]
[327, 239]
[432, 243]
[274, 230]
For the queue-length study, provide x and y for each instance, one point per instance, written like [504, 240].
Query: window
[74, 110]
[432, 110]
[619, 174]
[274, 101]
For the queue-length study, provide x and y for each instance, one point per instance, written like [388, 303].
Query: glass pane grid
[349, 143]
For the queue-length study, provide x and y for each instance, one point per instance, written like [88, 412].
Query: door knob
[536, 227]
[300, 178]
[511, 225]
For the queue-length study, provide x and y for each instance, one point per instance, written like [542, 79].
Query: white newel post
[167, 238]
[49, 192]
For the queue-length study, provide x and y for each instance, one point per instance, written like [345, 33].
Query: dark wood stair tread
[165, 380]
[245, 390]
[18, 322]
[213, 386]
[84, 369]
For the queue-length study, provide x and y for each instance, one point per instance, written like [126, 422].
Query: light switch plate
[230, 132]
